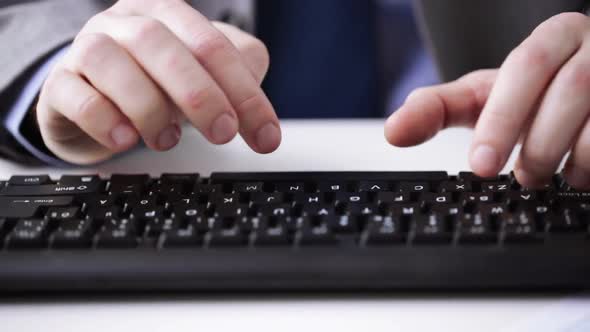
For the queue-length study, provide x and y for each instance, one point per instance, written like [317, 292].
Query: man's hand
[540, 94]
[139, 68]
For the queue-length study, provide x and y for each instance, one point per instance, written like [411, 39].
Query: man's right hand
[139, 68]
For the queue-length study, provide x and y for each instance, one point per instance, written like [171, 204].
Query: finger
[114, 73]
[577, 169]
[72, 100]
[259, 124]
[561, 115]
[172, 66]
[428, 110]
[254, 52]
[521, 81]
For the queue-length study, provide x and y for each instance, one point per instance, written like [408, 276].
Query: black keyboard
[291, 231]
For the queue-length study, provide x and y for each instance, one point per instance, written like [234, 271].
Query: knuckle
[258, 54]
[419, 93]
[52, 81]
[91, 49]
[210, 45]
[530, 55]
[148, 29]
[89, 107]
[256, 101]
[152, 115]
[164, 5]
[197, 100]
[578, 76]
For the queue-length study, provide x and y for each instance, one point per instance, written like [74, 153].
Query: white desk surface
[307, 146]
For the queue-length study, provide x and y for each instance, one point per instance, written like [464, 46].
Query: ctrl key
[28, 233]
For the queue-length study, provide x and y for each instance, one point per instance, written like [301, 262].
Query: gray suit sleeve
[31, 29]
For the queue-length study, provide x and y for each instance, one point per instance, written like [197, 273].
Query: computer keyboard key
[48, 190]
[146, 202]
[176, 183]
[271, 235]
[248, 224]
[262, 198]
[293, 187]
[408, 210]
[317, 210]
[519, 228]
[100, 201]
[234, 210]
[26, 207]
[474, 198]
[62, 213]
[414, 187]
[437, 198]
[455, 186]
[208, 188]
[277, 210]
[29, 180]
[123, 224]
[475, 229]
[309, 199]
[181, 238]
[227, 237]
[563, 221]
[496, 186]
[446, 209]
[117, 233]
[72, 233]
[344, 197]
[147, 213]
[99, 213]
[359, 209]
[248, 187]
[316, 234]
[373, 186]
[332, 187]
[221, 199]
[386, 197]
[156, 226]
[116, 239]
[129, 184]
[431, 229]
[492, 209]
[80, 180]
[28, 233]
[188, 211]
[382, 231]
[342, 224]
[521, 196]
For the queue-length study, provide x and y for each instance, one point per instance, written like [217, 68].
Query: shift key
[26, 207]
[49, 190]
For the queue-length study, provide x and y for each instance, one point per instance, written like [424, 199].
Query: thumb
[429, 110]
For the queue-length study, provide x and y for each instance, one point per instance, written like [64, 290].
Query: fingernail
[485, 160]
[169, 137]
[123, 135]
[268, 138]
[224, 129]
[578, 178]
